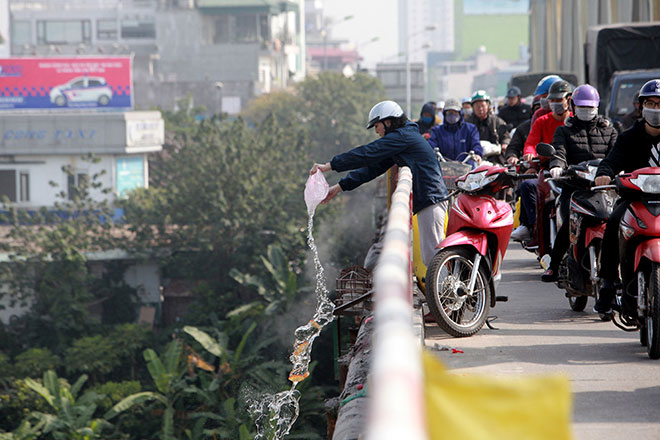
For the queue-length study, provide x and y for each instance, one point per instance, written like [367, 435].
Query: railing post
[396, 380]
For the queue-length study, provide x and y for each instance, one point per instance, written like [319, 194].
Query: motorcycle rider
[542, 90]
[427, 119]
[519, 137]
[467, 107]
[400, 144]
[491, 128]
[514, 112]
[455, 137]
[585, 136]
[543, 130]
[642, 139]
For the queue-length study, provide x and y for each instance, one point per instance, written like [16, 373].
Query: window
[246, 28]
[64, 32]
[15, 190]
[8, 184]
[95, 83]
[221, 34]
[21, 33]
[106, 29]
[77, 184]
[139, 27]
[24, 186]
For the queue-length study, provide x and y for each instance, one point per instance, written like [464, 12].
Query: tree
[72, 416]
[166, 374]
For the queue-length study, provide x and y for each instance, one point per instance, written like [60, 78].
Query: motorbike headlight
[476, 181]
[649, 183]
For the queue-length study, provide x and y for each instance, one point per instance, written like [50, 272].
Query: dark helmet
[650, 88]
[560, 89]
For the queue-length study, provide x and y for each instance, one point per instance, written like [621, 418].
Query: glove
[555, 172]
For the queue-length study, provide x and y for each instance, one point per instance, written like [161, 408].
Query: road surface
[616, 387]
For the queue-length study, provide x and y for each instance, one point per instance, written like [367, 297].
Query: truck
[619, 58]
[528, 81]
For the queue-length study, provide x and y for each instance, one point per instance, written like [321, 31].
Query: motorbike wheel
[456, 312]
[653, 313]
[643, 336]
[578, 303]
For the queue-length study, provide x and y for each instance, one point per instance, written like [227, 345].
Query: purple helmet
[586, 96]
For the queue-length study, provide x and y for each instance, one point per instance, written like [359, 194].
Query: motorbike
[590, 207]
[462, 277]
[639, 247]
[545, 228]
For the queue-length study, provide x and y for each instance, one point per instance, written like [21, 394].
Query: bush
[95, 355]
[34, 362]
[17, 401]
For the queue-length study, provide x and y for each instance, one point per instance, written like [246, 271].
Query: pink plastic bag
[316, 189]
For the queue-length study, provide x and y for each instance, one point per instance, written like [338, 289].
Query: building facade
[218, 53]
[36, 146]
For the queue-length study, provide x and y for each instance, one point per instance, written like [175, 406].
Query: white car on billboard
[82, 89]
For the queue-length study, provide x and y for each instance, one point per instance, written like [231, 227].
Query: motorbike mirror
[545, 150]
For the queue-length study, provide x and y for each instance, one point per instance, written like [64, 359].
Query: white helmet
[383, 110]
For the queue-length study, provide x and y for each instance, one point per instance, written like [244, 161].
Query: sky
[371, 18]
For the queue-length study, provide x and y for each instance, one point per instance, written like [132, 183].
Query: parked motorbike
[463, 274]
[589, 210]
[639, 247]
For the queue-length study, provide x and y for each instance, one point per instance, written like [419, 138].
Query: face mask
[467, 111]
[651, 116]
[452, 119]
[427, 119]
[545, 104]
[557, 107]
[586, 113]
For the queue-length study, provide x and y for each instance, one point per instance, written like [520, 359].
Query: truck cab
[624, 85]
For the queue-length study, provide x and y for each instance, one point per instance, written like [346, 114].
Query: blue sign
[130, 174]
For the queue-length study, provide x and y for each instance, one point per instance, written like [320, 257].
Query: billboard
[66, 83]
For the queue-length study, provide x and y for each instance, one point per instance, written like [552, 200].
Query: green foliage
[71, 417]
[96, 355]
[34, 362]
[17, 401]
[48, 270]
[114, 392]
[166, 372]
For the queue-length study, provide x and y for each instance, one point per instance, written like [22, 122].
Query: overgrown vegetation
[224, 211]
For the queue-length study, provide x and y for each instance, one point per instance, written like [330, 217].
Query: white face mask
[467, 111]
[651, 116]
[586, 113]
[558, 108]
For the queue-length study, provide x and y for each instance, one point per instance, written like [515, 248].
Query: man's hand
[318, 166]
[512, 160]
[332, 192]
[602, 180]
[555, 172]
[527, 157]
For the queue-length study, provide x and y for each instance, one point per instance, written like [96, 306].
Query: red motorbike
[463, 274]
[639, 247]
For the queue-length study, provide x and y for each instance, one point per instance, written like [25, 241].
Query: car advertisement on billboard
[66, 83]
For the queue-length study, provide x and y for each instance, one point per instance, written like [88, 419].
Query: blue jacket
[452, 140]
[404, 147]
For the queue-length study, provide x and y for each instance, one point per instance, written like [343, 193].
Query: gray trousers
[431, 225]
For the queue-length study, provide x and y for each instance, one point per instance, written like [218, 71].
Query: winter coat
[543, 130]
[455, 139]
[577, 141]
[492, 129]
[630, 152]
[403, 146]
[518, 139]
[516, 115]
